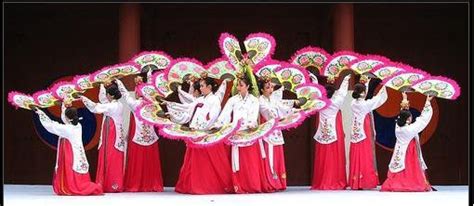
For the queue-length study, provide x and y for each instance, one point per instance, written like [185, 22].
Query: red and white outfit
[362, 167]
[205, 170]
[143, 167]
[329, 172]
[275, 169]
[248, 166]
[71, 172]
[112, 144]
[407, 168]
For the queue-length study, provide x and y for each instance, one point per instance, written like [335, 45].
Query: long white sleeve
[103, 94]
[180, 113]
[131, 102]
[272, 108]
[63, 113]
[123, 90]
[423, 120]
[377, 100]
[96, 107]
[406, 133]
[340, 94]
[54, 127]
[181, 107]
[184, 97]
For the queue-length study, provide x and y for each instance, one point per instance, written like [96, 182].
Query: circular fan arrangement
[81, 83]
[297, 75]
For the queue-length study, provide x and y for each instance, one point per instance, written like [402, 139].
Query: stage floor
[39, 195]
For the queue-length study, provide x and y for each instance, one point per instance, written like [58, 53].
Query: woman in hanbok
[112, 144]
[205, 170]
[329, 171]
[273, 108]
[71, 173]
[143, 167]
[362, 167]
[407, 168]
[248, 168]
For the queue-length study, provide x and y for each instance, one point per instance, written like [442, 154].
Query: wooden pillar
[343, 30]
[343, 27]
[129, 35]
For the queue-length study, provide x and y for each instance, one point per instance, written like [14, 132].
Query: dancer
[110, 166]
[143, 167]
[71, 173]
[362, 168]
[247, 161]
[329, 171]
[272, 107]
[205, 170]
[407, 168]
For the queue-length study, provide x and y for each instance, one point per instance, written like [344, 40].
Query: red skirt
[68, 182]
[251, 177]
[329, 171]
[412, 178]
[143, 168]
[206, 171]
[277, 181]
[110, 162]
[362, 172]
